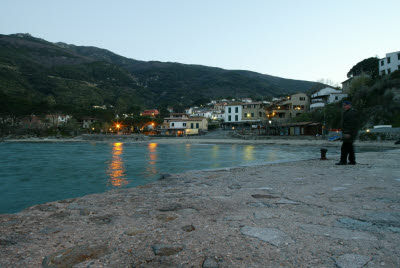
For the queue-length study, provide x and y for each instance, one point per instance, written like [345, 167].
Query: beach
[297, 214]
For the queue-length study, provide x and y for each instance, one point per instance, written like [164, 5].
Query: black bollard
[323, 153]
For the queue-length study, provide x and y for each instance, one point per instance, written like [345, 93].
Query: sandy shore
[299, 214]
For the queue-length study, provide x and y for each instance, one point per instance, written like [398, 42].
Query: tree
[368, 66]
[328, 82]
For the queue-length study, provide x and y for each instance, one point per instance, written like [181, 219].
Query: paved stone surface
[352, 261]
[271, 235]
[74, 255]
[336, 232]
[265, 215]
[210, 263]
[166, 250]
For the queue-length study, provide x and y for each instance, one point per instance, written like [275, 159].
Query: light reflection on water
[152, 155]
[116, 170]
[35, 173]
[249, 153]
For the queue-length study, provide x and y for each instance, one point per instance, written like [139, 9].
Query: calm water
[34, 173]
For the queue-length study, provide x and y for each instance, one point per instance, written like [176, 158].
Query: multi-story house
[326, 96]
[233, 113]
[390, 63]
[253, 112]
[289, 107]
[239, 113]
[181, 125]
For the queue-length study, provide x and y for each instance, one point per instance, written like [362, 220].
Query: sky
[297, 39]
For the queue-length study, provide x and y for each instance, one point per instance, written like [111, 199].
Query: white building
[247, 100]
[326, 96]
[233, 113]
[218, 115]
[390, 63]
[204, 113]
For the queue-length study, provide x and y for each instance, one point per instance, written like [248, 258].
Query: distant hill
[81, 76]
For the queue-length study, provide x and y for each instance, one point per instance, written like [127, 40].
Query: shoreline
[304, 213]
[272, 141]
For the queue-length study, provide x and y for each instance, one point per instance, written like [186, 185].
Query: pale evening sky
[306, 40]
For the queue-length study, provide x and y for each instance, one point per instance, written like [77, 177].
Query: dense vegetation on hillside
[74, 78]
[377, 100]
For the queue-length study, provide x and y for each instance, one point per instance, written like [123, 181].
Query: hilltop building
[390, 63]
[326, 96]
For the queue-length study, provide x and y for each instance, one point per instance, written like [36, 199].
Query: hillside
[37, 71]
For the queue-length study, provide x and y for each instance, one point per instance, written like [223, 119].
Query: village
[242, 115]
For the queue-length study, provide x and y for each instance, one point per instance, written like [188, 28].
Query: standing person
[349, 133]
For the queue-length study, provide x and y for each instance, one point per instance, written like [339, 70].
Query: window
[172, 124]
[197, 125]
[336, 97]
[260, 114]
[281, 115]
[398, 67]
[389, 71]
[383, 72]
[236, 118]
[229, 118]
[398, 56]
[388, 60]
[229, 110]
[382, 62]
[302, 98]
[236, 109]
[252, 114]
[184, 124]
[191, 125]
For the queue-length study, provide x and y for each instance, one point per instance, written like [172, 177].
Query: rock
[188, 228]
[260, 205]
[271, 235]
[383, 218]
[336, 232]
[187, 211]
[7, 241]
[50, 230]
[394, 229]
[172, 207]
[166, 250]
[338, 188]
[104, 219]
[356, 224]
[134, 231]
[165, 217]
[210, 263]
[264, 188]
[235, 218]
[351, 261]
[60, 215]
[235, 186]
[259, 215]
[164, 176]
[266, 196]
[74, 206]
[74, 255]
[284, 201]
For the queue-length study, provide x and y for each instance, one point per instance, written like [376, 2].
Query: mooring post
[323, 153]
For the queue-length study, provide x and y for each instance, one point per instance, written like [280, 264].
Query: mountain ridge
[78, 76]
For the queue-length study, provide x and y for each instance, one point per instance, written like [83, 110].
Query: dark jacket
[350, 123]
